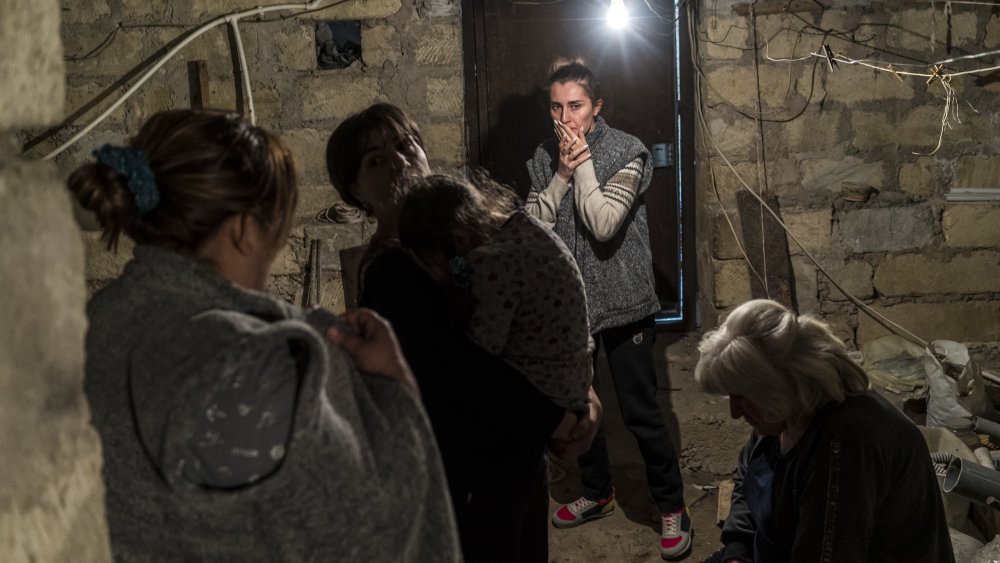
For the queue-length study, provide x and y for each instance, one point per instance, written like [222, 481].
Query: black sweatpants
[629, 350]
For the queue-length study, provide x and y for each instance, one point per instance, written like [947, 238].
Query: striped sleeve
[604, 209]
[544, 205]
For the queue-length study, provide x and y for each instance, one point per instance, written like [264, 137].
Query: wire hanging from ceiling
[890, 325]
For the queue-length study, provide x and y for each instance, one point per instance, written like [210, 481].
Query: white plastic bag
[950, 398]
[965, 547]
[990, 553]
[894, 363]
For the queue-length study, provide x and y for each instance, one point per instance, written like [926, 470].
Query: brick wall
[929, 264]
[51, 495]
[411, 56]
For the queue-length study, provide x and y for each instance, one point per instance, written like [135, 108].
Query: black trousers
[629, 350]
[506, 520]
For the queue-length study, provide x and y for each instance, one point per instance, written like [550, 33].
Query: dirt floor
[710, 443]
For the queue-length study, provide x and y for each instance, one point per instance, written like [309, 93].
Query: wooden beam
[767, 250]
[725, 501]
[350, 261]
[198, 84]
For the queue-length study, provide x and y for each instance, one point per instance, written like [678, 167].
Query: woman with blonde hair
[832, 472]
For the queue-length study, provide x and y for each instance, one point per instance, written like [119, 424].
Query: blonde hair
[789, 366]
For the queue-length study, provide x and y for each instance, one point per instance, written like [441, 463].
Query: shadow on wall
[521, 125]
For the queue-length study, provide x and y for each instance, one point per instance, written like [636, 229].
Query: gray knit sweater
[617, 273]
[360, 478]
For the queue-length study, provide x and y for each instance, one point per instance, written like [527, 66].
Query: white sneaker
[581, 510]
[675, 537]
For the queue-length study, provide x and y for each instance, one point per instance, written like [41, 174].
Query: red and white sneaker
[675, 538]
[582, 510]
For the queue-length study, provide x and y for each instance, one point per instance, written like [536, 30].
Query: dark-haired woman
[235, 427]
[491, 424]
[518, 291]
[588, 183]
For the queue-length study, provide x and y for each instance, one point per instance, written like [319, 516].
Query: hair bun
[102, 191]
[561, 62]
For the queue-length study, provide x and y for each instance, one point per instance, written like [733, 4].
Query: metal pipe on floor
[972, 481]
[985, 426]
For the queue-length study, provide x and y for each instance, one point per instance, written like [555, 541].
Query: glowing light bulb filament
[617, 14]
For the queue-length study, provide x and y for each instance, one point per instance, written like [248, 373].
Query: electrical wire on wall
[99, 49]
[761, 155]
[708, 139]
[707, 134]
[757, 113]
[937, 74]
[231, 20]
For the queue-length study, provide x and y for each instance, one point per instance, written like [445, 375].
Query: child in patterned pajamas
[528, 304]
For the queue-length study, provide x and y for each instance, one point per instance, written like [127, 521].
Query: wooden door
[508, 47]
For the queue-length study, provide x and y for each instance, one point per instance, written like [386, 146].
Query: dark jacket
[491, 424]
[858, 487]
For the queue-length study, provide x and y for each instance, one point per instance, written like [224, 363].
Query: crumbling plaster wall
[411, 56]
[929, 264]
[51, 495]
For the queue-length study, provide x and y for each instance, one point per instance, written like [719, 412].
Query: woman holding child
[491, 423]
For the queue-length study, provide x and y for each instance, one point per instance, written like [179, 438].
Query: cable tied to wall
[882, 320]
[937, 73]
[228, 19]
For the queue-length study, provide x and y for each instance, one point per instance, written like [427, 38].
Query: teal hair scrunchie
[459, 270]
[132, 164]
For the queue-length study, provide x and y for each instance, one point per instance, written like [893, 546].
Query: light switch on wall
[662, 155]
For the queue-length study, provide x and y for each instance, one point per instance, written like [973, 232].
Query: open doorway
[644, 70]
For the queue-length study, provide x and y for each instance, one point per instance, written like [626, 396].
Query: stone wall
[907, 250]
[411, 56]
[927, 263]
[51, 495]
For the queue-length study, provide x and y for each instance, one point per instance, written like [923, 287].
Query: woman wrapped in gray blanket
[236, 427]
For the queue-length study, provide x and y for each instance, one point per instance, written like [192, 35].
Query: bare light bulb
[617, 14]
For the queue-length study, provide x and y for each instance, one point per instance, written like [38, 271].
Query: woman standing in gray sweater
[236, 427]
[587, 183]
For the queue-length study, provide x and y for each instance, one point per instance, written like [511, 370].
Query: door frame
[684, 316]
